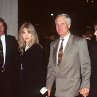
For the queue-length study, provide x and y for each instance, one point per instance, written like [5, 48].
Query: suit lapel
[67, 49]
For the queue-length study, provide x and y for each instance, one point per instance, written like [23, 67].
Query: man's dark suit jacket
[9, 77]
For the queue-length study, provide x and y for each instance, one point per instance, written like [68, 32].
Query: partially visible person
[88, 34]
[69, 62]
[32, 62]
[9, 71]
[93, 56]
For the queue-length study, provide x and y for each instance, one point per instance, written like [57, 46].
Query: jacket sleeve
[85, 64]
[51, 74]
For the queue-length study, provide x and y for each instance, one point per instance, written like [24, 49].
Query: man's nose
[59, 26]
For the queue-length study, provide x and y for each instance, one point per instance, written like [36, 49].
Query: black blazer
[9, 77]
[93, 80]
[33, 73]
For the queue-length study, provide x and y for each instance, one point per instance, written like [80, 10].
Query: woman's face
[27, 36]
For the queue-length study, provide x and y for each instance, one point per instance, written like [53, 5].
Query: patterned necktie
[1, 54]
[60, 53]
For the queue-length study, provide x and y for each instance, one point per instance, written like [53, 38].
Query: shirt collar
[66, 37]
[2, 36]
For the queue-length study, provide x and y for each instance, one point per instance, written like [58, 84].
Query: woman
[32, 61]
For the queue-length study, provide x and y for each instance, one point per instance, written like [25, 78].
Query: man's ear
[69, 25]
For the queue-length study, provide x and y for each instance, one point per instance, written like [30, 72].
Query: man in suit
[9, 67]
[71, 68]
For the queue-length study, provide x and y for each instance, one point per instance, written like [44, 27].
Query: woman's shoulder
[37, 46]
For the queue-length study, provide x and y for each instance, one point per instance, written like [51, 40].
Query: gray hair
[68, 19]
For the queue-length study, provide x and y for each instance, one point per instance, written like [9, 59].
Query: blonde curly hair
[31, 29]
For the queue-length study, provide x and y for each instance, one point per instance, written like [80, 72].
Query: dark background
[38, 12]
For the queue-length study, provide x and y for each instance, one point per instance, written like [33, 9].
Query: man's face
[62, 26]
[1, 28]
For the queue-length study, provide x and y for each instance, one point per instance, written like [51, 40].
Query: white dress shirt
[4, 46]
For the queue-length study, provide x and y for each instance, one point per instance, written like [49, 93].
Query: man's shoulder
[55, 41]
[10, 37]
[78, 38]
